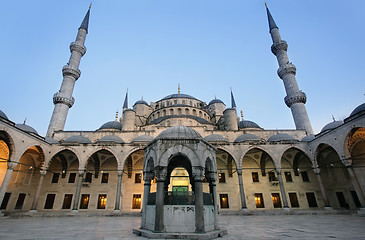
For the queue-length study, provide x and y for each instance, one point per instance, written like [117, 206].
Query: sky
[151, 46]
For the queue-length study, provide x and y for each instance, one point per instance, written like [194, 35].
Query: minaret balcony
[58, 98]
[68, 70]
[288, 68]
[276, 47]
[75, 46]
[299, 97]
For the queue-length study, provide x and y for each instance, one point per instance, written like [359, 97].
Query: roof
[77, 139]
[247, 124]
[215, 138]
[216, 101]
[111, 125]
[110, 139]
[141, 102]
[358, 109]
[3, 115]
[308, 138]
[179, 132]
[281, 137]
[51, 140]
[331, 125]
[246, 138]
[26, 128]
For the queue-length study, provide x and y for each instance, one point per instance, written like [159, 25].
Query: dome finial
[116, 116]
[25, 121]
[142, 98]
[333, 117]
[92, 3]
[178, 88]
[241, 114]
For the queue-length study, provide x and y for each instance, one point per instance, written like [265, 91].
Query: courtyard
[239, 227]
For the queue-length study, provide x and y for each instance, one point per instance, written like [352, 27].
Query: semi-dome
[50, 140]
[247, 138]
[308, 138]
[215, 138]
[179, 132]
[143, 138]
[178, 95]
[331, 125]
[111, 125]
[110, 139]
[26, 128]
[281, 137]
[247, 124]
[216, 101]
[358, 109]
[3, 115]
[141, 102]
[77, 139]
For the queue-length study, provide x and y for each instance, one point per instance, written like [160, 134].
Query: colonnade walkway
[239, 227]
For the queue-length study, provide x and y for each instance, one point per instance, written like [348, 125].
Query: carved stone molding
[276, 47]
[300, 97]
[68, 70]
[58, 98]
[288, 68]
[74, 46]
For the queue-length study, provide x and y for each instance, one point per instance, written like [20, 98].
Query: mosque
[180, 150]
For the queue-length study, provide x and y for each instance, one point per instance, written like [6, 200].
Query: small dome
[331, 125]
[216, 101]
[143, 138]
[141, 102]
[110, 139]
[357, 110]
[3, 115]
[111, 125]
[51, 140]
[26, 128]
[247, 138]
[247, 124]
[308, 138]
[179, 132]
[215, 138]
[77, 139]
[178, 95]
[281, 137]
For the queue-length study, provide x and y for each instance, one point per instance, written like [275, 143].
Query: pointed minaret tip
[233, 102]
[272, 23]
[91, 3]
[85, 22]
[125, 104]
[265, 5]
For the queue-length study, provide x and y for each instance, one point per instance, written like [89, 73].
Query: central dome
[178, 95]
[179, 132]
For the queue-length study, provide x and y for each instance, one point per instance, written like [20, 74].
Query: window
[55, 177]
[105, 178]
[342, 200]
[293, 200]
[49, 201]
[67, 201]
[305, 176]
[312, 202]
[84, 204]
[276, 200]
[259, 200]
[255, 177]
[136, 204]
[88, 177]
[102, 201]
[356, 199]
[20, 201]
[222, 177]
[272, 177]
[138, 178]
[4, 204]
[72, 178]
[288, 177]
[224, 200]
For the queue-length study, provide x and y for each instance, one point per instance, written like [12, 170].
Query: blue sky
[205, 46]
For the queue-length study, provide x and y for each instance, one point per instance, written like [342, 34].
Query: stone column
[213, 191]
[117, 197]
[146, 193]
[4, 185]
[199, 203]
[355, 183]
[78, 190]
[242, 190]
[39, 188]
[282, 189]
[327, 205]
[159, 211]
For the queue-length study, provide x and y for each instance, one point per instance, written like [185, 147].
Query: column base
[74, 210]
[328, 208]
[286, 209]
[33, 211]
[116, 210]
[361, 211]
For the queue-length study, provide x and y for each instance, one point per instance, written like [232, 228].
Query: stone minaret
[295, 99]
[63, 99]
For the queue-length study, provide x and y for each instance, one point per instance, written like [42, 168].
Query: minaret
[63, 99]
[125, 104]
[233, 102]
[295, 98]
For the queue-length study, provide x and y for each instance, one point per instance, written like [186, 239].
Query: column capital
[278, 171]
[120, 172]
[81, 173]
[239, 171]
[317, 170]
[161, 173]
[147, 176]
[11, 166]
[43, 172]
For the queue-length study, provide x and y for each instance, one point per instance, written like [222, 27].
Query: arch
[182, 150]
[296, 160]
[8, 140]
[261, 157]
[98, 158]
[225, 161]
[134, 162]
[112, 152]
[68, 159]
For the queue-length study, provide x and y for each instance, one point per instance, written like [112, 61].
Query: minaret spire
[125, 105]
[233, 102]
[63, 99]
[295, 99]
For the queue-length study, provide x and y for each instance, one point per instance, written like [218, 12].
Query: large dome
[178, 95]
[111, 125]
[3, 115]
[26, 128]
[77, 139]
[247, 124]
[179, 132]
[331, 125]
[141, 102]
[216, 101]
[357, 110]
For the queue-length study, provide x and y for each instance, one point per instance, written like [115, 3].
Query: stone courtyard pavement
[239, 227]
